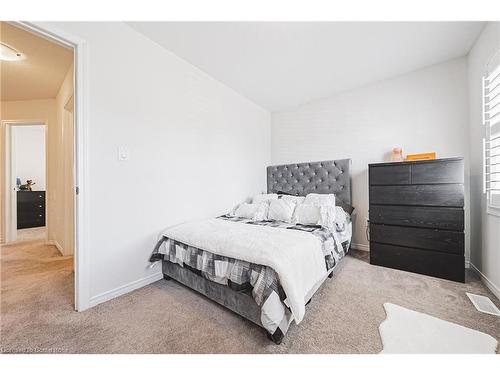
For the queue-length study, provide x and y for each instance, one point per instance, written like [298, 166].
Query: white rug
[408, 331]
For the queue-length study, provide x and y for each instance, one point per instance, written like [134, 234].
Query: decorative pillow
[293, 198]
[233, 210]
[342, 218]
[328, 202]
[346, 207]
[252, 211]
[309, 214]
[320, 199]
[281, 210]
[259, 198]
[281, 192]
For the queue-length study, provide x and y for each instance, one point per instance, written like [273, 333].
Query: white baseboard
[56, 244]
[124, 289]
[489, 284]
[360, 246]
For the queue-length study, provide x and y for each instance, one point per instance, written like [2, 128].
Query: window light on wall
[491, 142]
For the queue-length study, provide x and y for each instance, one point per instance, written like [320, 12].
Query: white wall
[61, 193]
[426, 110]
[28, 151]
[196, 148]
[485, 238]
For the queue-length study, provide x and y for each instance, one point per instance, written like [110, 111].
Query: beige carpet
[37, 311]
[31, 234]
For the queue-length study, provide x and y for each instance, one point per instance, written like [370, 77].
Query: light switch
[123, 153]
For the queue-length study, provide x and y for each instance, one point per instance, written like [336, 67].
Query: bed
[264, 270]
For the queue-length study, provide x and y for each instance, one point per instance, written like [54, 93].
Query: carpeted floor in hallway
[165, 317]
[31, 234]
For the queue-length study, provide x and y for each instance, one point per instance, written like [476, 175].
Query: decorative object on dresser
[397, 154]
[417, 217]
[421, 156]
[28, 186]
[30, 209]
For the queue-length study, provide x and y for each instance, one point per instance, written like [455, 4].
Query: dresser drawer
[421, 238]
[31, 196]
[448, 266]
[449, 218]
[446, 172]
[31, 206]
[390, 175]
[30, 219]
[451, 195]
[24, 215]
[31, 223]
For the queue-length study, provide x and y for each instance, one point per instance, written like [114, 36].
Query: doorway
[81, 218]
[26, 181]
[39, 205]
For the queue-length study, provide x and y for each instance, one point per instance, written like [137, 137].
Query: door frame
[10, 198]
[81, 161]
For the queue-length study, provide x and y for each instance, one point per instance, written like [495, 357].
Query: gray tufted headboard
[324, 177]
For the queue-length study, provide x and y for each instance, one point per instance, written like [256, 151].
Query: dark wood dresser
[30, 209]
[417, 217]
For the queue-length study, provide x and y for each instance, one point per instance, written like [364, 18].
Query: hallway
[31, 234]
[46, 280]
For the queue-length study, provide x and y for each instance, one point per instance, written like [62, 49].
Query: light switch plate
[123, 153]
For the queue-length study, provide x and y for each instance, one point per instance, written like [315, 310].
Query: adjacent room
[27, 160]
[252, 187]
[37, 200]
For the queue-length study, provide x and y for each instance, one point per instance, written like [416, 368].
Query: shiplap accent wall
[426, 110]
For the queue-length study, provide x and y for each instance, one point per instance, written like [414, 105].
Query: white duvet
[296, 256]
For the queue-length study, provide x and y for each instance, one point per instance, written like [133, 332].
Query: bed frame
[331, 176]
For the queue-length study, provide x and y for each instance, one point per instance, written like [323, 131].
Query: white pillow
[259, 198]
[233, 210]
[281, 210]
[320, 199]
[309, 214]
[341, 218]
[327, 201]
[255, 212]
[293, 198]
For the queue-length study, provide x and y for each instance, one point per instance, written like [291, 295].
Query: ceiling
[40, 74]
[282, 64]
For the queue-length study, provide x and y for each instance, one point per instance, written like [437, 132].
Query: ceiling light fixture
[8, 53]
